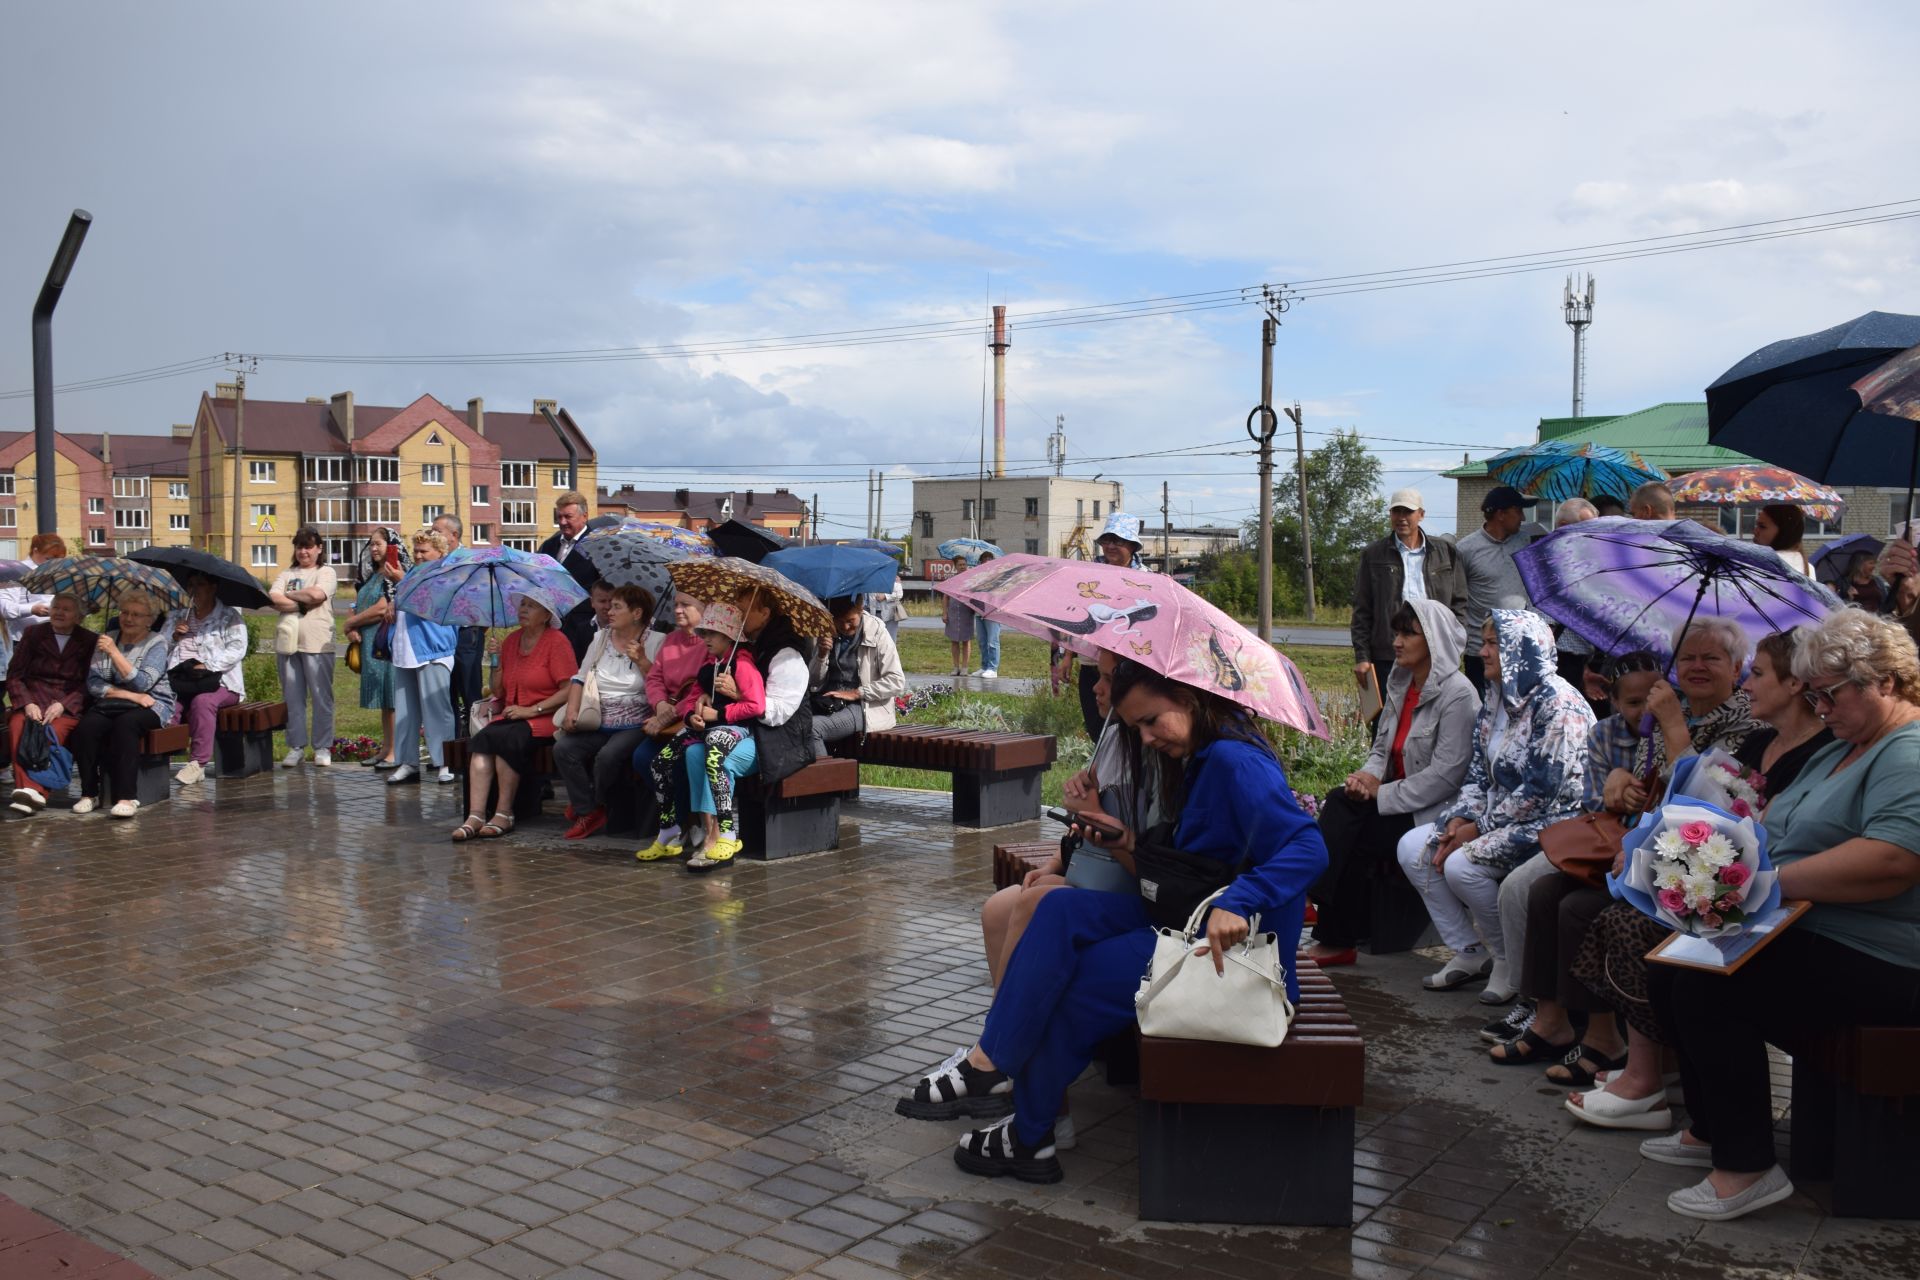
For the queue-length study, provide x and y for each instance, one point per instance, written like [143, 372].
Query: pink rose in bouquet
[1697, 832]
[1734, 874]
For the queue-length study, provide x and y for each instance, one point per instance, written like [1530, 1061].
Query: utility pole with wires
[1166, 531]
[813, 519]
[239, 456]
[1306, 525]
[1057, 444]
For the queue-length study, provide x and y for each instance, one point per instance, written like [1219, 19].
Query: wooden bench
[1233, 1133]
[243, 738]
[996, 776]
[1011, 862]
[153, 781]
[798, 814]
[1856, 1119]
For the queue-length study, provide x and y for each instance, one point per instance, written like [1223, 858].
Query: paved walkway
[297, 1033]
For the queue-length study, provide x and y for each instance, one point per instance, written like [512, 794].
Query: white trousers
[1514, 892]
[1462, 896]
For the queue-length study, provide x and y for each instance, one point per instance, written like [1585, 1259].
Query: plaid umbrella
[477, 587]
[1753, 486]
[99, 580]
[724, 578]
[1633, 584]
[1557, 470]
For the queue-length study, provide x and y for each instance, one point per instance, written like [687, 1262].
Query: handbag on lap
[1183, 998]
[1584, 847]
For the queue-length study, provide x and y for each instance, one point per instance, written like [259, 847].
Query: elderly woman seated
[127, 694]
[856, 680]
[1528, 770]
[1846, 837]
[208, 642]
[533, 681]
[47, 684]
[1421, 746]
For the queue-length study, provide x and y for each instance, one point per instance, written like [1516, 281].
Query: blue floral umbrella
[477, 587]
[1633, 584]
[1559, 469]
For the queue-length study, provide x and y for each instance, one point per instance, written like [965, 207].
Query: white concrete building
[1040, 515]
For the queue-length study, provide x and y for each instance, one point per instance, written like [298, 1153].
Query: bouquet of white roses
[1699, 869]
[1721, 781]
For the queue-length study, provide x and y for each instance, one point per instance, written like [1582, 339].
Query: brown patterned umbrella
[726, 577]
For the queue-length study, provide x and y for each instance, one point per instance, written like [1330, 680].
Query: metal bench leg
[1217, 1163]
[996, 799]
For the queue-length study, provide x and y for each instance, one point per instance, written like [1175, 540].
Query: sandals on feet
[1526, 1048]
[1582, 1067]
[498, 825]
[1606, 1110]
[469, 829]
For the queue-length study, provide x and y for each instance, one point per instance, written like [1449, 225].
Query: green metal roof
[1671, 436]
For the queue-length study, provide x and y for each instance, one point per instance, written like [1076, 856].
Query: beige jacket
[882, 678]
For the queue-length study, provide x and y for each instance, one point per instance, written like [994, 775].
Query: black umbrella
[1793, 404]
[232, 584]
[747, 541]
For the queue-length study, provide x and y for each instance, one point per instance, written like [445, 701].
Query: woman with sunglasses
[1846, 837]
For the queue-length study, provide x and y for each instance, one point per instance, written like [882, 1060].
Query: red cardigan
[42, 673]
[526, 679]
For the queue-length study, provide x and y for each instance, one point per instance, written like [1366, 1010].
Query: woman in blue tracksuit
[1071, 981]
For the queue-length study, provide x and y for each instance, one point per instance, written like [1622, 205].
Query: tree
[1343, 499]
[1230, 581]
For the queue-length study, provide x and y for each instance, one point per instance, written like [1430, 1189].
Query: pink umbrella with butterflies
[1144, 616]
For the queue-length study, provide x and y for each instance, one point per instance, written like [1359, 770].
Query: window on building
[127, 546]
[262, 472]
[177, 490]
[179, 522]
[96, 506]
[479, 495]
[9, 518]
[378, 470]
[1096, 508]
[517, 544]
[342, 551]
[987, 509]
[96, 537]
[6, 482]
[926, 524]
[433, 473]
[380, 511]
[329, 510]
[1737, 522]
[966, 510]
[328, 470]
[129, 517]
[516, 513]
[1033, 508]
[516, 475]
[431, 512]
[129, 486]
[265, 511]
[1079, 508]
[265, 556]
[1033, 546]
[483, 533]
[560, 480]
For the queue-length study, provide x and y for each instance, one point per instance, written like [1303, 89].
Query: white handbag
[1182, 997]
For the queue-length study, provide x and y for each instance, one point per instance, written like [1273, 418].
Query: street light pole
[45, 482]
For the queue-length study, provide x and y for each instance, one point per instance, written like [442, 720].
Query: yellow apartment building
[347, 469]
[117, 491]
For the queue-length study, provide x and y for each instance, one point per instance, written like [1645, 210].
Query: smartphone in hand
[1086, 822]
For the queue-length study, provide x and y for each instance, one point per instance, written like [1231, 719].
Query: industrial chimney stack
[1000, 344]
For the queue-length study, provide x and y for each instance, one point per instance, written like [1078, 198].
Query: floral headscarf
[1527, 653]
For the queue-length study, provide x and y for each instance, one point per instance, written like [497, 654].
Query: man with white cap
[1404, 565]
[1118, 545]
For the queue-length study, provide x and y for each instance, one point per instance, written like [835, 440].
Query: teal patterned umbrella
[100, 580]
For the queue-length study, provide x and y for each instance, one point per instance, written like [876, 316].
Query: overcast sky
[359, 179]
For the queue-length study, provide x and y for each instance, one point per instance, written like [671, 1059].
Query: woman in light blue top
[422, 673]
[127, 694]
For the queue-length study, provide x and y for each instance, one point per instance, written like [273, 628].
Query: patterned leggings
[719, 743]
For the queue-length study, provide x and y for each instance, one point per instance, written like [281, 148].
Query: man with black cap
[1486, 557]
[1405, 565]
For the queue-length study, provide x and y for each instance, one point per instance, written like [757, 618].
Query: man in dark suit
[1384, 582]
[570, 514]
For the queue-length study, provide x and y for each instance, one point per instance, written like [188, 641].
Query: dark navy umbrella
[231, 584]
[747, 541]
[830, 571]
[1793, 403]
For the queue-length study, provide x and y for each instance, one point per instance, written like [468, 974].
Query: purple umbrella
[1632, 584]
[477, 587]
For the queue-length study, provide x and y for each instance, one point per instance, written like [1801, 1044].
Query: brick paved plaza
[287, 1029]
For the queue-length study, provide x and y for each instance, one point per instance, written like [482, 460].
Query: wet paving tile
[287, 1029]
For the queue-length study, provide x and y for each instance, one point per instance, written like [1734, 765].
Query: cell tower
[1577, 302]
[1057, 444]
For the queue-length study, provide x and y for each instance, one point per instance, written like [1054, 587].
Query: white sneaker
[124, 809]
[190, 772]
[26, 800]
[323, 758]
[1063, 1139]
[85, 804]
[292, 758]
[405, 773]
[1703, 1202]
[991, 674]
[446, 776]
